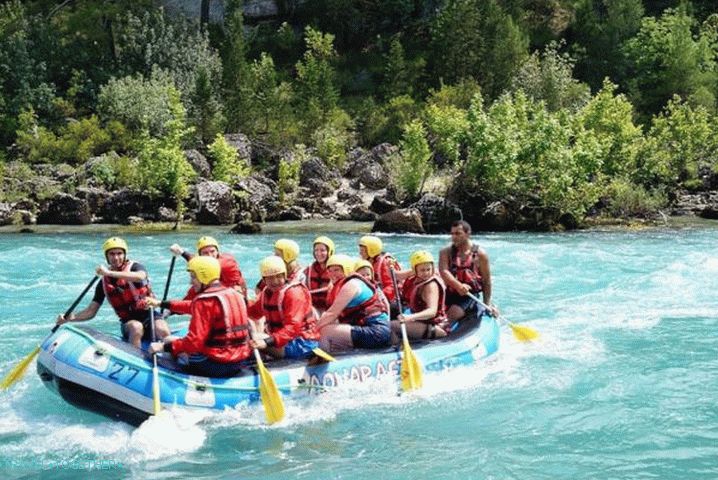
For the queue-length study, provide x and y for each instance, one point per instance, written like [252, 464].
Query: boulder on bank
[215, 203]
[199, 163]
[437, 213]
[126, 203]
[65, 209]
[314, 170]
[6, 213]
[403, 220]
[246, 227]
[257, 195]
[368, 167]
[242, 144]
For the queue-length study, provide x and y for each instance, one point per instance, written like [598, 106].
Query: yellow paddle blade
[322, 354]
[19, 370]
[411, 376]
[156, 406]
[268, 392]
[523, 333]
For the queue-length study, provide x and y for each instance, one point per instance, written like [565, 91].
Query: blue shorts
[376, 333]
[198, 364]
[300, 348]
[464, 302]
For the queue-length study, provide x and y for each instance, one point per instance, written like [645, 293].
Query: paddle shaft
[77, 301]
[169, 279]
[476, 299]
[397, 293]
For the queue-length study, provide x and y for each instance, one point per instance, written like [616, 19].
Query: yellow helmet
[361, 263]
[289, 249]
[419, 257]
[344, 261]
[114, 242]
[325, 241]
[207, 241]
[373, 245]
[272, 265]
[206, 269]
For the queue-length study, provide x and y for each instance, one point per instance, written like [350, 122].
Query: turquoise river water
[622, 383]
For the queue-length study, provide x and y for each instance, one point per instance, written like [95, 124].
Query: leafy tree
[669, 56]
[397, 76]
[447, 126]
[548, 76]
[206, 112]
[412, 166]
[317, 94]
[226, 164]
[235, 66]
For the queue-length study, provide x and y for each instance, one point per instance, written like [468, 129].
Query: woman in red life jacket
[357, 316]
[230, 276]
[316, 276]
[465, 269]
[424, 294]
[371, 248]
[287, 250]
[290, 320]
[127, 288]
[217, 341]
[365, 269]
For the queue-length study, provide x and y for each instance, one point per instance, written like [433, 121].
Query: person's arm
[89, 312]
[254, 307]
[430, 295]
[402, 275]
[482, 263]
[136, 274]
[349, 290]
[199, 328]
[448, 277]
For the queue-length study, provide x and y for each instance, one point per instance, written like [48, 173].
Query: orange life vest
[412, 290]
[232, 329]
[358, 314]
[273, 306]
[124, 296]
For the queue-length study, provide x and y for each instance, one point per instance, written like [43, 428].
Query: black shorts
[465, 302]
[146, 324]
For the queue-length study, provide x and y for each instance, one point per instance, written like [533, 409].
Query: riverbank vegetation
[573, 107]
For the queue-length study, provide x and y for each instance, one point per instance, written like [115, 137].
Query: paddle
[169, 279]
[521, 332]
[268, 392]
[17, 372]
[322, 354]
[156, 406]
[411, 376]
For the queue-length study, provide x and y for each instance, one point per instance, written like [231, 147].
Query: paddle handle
[77, 301]
[169, 279]
[397, 293]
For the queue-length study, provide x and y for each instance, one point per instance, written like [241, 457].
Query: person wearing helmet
[127, 288]
[371, 248]
[217, 340]
[287, 250]
[464, 266]
[357, 316]
[231, 275]
[290, 320]
[424, 293]
[365, 269]
[316, 277]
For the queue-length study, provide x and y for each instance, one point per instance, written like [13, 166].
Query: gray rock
[126, 203]
[403, 220]
[64, 209]
[134, 220]
[318, 188]
[374, 176]
[96, 198]
[382, 205]
[294, 212]
[240, 142]
[383, 152]
[26, 217]
[368, 167]
[59, 172]
[314, 169]
[6, 213]
[199, 163]
[165, 214]
[437, 213]
[257, 195]
[215, 203]
[245, 227]
[360, 213]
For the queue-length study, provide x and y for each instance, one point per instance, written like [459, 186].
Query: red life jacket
[230, 330]
[358, 314]
[466, 271]
[124, 296]
[412, 290]
[317, 278]
[273, 307]
[381, 264]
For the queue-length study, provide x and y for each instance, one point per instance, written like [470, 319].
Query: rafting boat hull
[101, 373]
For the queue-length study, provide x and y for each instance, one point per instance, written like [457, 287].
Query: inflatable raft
[101, 373]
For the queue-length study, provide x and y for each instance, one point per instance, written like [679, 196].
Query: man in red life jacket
[287, 250]
[465, 268]
[127, 288]
[231, 275]
[371, 248]
[316, 276]
[424, 294]
[217, 341]
[289, 317]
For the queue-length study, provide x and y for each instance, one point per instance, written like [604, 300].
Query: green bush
[459, 95]
[226, 164]
[411, 167]
[115, 171]
[627, 199]
[288, 176]
[334, 138]
[446, 126]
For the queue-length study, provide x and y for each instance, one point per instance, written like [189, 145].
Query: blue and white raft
[101, 373]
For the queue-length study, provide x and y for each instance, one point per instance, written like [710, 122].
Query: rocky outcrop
[64, 209]
[315, 170]
[215, 203]
[702, 204]
[246, 227]
[257, 195]
[242, 144]
[95, 197]
[437, 213]
[6, 214]
[368, 167]
[381, 204]
[403, 220]
[199, 163]
[126, 203]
